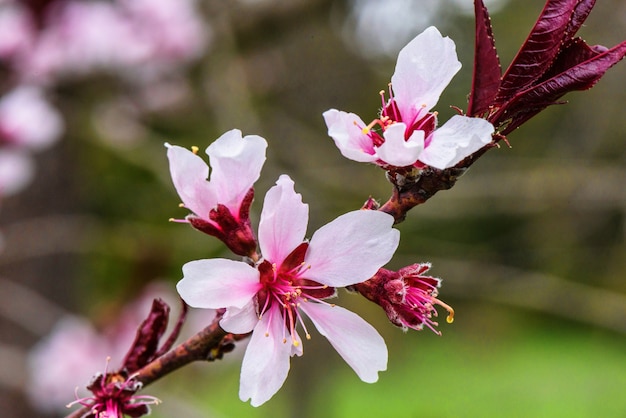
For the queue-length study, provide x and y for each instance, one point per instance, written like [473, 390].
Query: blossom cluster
[284, 280]
[46, 42]
[282, 284]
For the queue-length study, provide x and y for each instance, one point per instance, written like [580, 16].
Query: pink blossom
[17, 29]
[405, 134]
[171, 29]
[408, 296]
[69, 357]
[220, 205]
[271, 296]
[16, 170]
[28, 120]
[133, 38]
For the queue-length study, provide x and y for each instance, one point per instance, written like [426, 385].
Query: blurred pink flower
[16, 170]
[406, 134]
[220, 205]
[134, 39]
[74, 351]
[28, 120]
[172, 29]
[67, 359]
[271, 297]
[17, 29]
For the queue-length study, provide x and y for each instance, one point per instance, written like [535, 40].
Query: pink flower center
[420, 299]
[285, 288]
[390, 114]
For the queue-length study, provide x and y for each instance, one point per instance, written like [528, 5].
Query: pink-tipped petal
[346, 130]
[266, 362]
[356, 341]
[236, 163]
[396, 150]
[424, 68]
[458, 138]
[351, 248]
[189, 175]
[283, 221]
[218, 283]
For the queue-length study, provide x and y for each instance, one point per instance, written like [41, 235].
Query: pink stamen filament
[281, 290]
[391, 103]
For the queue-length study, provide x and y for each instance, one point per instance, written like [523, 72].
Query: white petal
[424, 68]
[351, 248]
[218, 283]
[236, 163]
[189, 175]
[240, 321]
[396, 151]
[356, 341]
[283, 221]
[345, 129]
[266, 362]
[458, 138]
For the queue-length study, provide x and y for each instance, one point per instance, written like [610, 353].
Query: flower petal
[266, 362]
[424, 68]
[398, 152]
[345, 129]
[283, 223]
[189, 175]
[356, 341]
[458, 138]
[236, 164]
[218, 283]
[351, 248]
[240, 321]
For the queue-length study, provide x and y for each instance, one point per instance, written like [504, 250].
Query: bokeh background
[530, 242]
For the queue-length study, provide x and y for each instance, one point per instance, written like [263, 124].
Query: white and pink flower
[221, 203]
[405, 134]
[271, 296]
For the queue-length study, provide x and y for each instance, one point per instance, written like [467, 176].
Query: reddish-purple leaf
[487, 70]
[581, 76]
[540, 48]
[582, 10]
[149, 333]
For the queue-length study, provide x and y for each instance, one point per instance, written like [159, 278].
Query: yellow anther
[171, 220]
[181, 205]
[450, 319]
[308, 336]
[195, 149]
[296, 343]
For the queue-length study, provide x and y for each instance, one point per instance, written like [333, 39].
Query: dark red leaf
[149, 333]
[582, 10]
[540, 48]
[487, 70]
[582, 76]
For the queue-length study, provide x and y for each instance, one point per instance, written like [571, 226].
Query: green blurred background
[530, 242]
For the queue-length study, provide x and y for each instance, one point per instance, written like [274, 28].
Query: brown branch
[412, 188]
